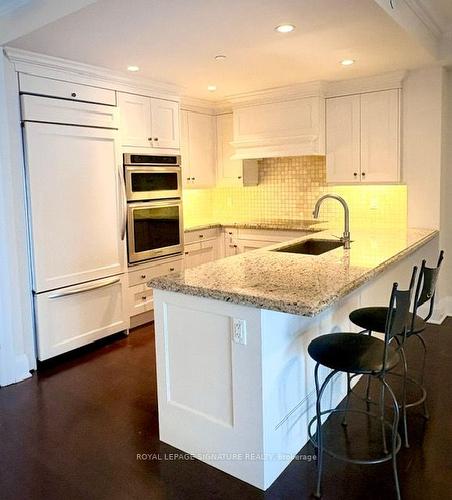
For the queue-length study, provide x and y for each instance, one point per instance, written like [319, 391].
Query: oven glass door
[154, 229]
[152, 183]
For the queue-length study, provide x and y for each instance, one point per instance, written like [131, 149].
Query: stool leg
[421, 339]
[344, 420]
[369, 377]
[319, 437]
[405, 374]
[395, 425]
[382, 418]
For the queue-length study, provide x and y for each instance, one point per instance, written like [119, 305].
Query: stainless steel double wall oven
[154, 206]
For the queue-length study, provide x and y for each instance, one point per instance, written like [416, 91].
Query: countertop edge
[165, 284]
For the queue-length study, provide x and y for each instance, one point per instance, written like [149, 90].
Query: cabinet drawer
[201, 235]
[45, 109]
[144, 274]
[30, 84]
[74, 316]
[140, 299]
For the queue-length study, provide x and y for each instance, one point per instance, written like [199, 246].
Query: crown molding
[64, 69]
[422, 13]
[278, 94]
[386, 81]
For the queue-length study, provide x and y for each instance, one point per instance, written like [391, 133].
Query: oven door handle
[122, 184]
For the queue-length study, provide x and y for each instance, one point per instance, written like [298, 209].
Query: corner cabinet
[148, 122]
[198, 149]
[363, 137]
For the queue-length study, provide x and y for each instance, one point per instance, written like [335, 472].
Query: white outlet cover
[239, 331]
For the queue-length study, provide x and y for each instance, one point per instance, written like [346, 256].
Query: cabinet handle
[239, 177]
[171, 269]
[85, 288]
[188, 178]
[156, 138]
[235, 246]
[355, 174]
[201, 236]
[73, 94]
[143, 297]
[363, 174]
[143, 276]
[192, 178]
[229, 233]
[149, 138]
[186, 253]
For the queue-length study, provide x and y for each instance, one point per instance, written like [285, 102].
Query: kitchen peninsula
[235, 382]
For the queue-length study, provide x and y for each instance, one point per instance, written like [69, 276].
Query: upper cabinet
[362, 137]
[147, 122]
[232, 172]
[289, 128]
[198, 149]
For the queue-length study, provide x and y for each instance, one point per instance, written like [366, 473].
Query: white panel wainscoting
[245, 408]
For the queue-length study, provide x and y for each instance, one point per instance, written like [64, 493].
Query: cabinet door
[75, 316]
[197, 254]
[76, 209]
[165, 123]
[135, 120]
[380, 136]
[201, 138]
[229, 171]
[247, 245]
[343, 139]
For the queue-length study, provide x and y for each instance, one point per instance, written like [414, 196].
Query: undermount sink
[311, 247]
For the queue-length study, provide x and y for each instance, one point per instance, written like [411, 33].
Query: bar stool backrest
[398, 315]
[426, 287]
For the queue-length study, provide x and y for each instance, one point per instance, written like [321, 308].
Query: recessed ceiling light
[133, 68]
[211, 88]
[285, 28]
[347, 62]
[220, 57]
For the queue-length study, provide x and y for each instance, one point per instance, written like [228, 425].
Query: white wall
[421, 144]
[17, 355]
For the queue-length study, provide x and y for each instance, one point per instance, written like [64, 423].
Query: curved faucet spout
[346, 235]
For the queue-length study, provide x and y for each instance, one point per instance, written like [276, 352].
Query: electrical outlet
[239, 331]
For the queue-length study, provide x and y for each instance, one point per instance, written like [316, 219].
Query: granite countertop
[275, 224]
[296, 283]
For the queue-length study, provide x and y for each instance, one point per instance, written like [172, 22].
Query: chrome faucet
[346, 234]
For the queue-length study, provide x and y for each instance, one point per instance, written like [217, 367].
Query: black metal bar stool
[372, 319]
[357, 354]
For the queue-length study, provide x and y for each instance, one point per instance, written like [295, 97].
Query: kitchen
[134, 179]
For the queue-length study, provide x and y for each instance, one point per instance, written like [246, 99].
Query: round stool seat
[352, 353]
[374, 319]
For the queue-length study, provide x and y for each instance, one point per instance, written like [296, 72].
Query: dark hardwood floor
[73, 431]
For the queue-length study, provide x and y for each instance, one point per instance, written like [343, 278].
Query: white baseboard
[443, 308]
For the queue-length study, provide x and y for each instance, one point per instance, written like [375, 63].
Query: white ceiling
[441, 13]
[176, 41]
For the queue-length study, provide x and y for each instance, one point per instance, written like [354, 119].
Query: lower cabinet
[74, 316]
[140, 294]
[200, 253]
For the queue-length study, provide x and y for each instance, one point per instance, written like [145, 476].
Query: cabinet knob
[73, 94]
[156, 138]
[143, 297]
[186, 253]
[229, 232]
[171, 269]
[201, 236]
[149, 138]
[239, 177]
[188, 178]
[363, 174]
[143, 276]
[355, 174]
[192, 178]
[235, 246]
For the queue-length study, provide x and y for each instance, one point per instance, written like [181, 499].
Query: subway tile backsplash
[288, 189]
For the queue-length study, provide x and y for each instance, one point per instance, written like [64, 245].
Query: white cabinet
[380, 156]
[289, 128]
[229, 171]
[76, 209]
[140, 294]
[196, 254]
[148, 122]
[363, 137]
[75, 316]
[198, 149]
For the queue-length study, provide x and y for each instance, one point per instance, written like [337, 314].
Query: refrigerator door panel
[75, 316]
[75, 203]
